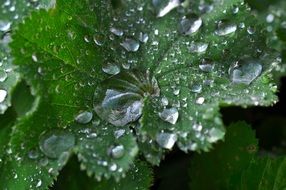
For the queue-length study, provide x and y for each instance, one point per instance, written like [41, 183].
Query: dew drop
[190, 26]
[224, 28]
[163, 7]
[119, 133]
[3, 94]
[130, 45]
[166, 140]
[116, 31]
[39, 184]
[206, 65]
[84, 117]
[143, 37]
[3, 75]
[200, 100]
[111, 68]
[246, 72]
[196, 88]
[164, 101]
[117, 151]
[198, 47]
[116, 113]
[54, 143]
[113, 167]
[169, 115]
[5, 25]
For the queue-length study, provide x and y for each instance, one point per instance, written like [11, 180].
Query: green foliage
[105, 80]
[234, 164]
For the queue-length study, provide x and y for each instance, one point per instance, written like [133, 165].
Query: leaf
[138, 177]
[12, 12]
[273, 16]
[239, 165]
[71, 56]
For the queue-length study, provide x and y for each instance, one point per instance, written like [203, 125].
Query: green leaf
[71, 56]
[238, 164]
[11, 13]
[138, 177]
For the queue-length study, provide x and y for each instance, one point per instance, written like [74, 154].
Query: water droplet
[215, 134]
[39, 184]
[250, 30]
[117, 151]
[113, 167]
[111, 68]
[116, 31]
[5, 25]
[169, 115]
[207, 65]
[34, 58]
[97, 40]
[119, 115]
[198, 47]
[190, 26]
[166, 140]
[3, 94]
[3, 75]
[33, 154]
[164, 101]
[196, 88]
[143, 37]
[54, 143]
[200, 100]
[246, 72]
[163, 7]
[270, 18]
[130, 45]
[119, 133]
[224, 27]
[84, 117]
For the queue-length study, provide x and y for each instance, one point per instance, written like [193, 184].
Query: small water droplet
[224, 27]
[54, 143]
[111, 68]
[196, 88]
[130, 45]
[246, 72]
[119, 133]
[5, 25]
[166, 140]
[164, 101]
[33, 154]
[270, 18]
[190, 26]
[198, 47]
[113, 167]
[116, 31]
[200, 100]
[84, 117]
[97, 40]
[39, 183]
[34, 58]
[143, 37]
[163, 7]
[117, 151]
[169, 115]
[3, 94]
[207, 65]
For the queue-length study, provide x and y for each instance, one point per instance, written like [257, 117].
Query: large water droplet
[198, 47]
[117, 151]
[3, 94]
[190, 26]
[4, 25]
[55, 143]
[3, 75]
[166, 140]
[246, 72]
[143, 37]
[224, 27]
[119, 108]
[196, 88]
[84, 117]
[130, 45]
[111, 68]
[120, 100]
[163, 7]
[169, 115]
